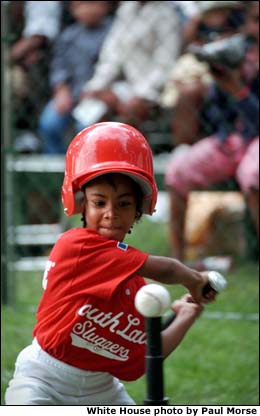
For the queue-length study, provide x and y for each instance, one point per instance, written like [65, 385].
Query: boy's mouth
[112, 231]
[111, 227]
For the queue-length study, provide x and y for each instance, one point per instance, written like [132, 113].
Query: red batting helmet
[105, 148]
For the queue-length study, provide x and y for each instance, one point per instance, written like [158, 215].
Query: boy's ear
[138, 215]
[80, 199]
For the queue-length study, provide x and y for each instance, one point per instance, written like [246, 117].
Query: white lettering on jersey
[85, 335]
[48, 267]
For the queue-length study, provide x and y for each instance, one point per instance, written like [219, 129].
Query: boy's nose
[111, 211]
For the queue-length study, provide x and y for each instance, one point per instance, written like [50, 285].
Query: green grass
[217, 362]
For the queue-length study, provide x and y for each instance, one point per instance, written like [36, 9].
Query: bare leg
[188, 108]
[178, 208]
[253, 204]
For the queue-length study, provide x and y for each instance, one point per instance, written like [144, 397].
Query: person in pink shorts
[205, 164]
[232, 150]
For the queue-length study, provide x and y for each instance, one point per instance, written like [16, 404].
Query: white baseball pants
[40, 379]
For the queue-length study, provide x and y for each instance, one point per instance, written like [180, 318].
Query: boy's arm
[171, 271]
[63, 98]
[186, 314]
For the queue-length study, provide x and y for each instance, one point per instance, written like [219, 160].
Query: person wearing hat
[190, 78]
[88, 334]
[219, 121]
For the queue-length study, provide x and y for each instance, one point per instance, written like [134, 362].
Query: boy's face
[89, 13]
[110, 208]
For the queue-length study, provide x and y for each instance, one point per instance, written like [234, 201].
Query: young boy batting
[88, 335]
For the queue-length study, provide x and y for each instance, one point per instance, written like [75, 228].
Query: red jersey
[86, 317]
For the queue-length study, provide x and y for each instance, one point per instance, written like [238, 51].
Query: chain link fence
[31, 215]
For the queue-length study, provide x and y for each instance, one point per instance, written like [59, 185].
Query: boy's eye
[99, 203]
[124, 203]
[121, 204]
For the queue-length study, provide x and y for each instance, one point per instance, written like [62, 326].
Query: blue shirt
[75, 53]
[226, 114]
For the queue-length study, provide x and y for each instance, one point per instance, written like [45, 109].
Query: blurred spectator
[29, 57]
[134, 63]
[190, 78]
[231, 105]
[213, 20]
[75, 53]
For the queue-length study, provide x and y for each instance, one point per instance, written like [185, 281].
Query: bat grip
[170, 318]
[206, 289]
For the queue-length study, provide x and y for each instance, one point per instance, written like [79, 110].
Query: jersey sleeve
[86, 263]
[102, 271]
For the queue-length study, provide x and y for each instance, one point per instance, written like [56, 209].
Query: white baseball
[152, 300]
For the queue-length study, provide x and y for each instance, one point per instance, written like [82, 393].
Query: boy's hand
[186, 306]
[197, 290]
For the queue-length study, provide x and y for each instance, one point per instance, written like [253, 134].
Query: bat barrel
[154, 363]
